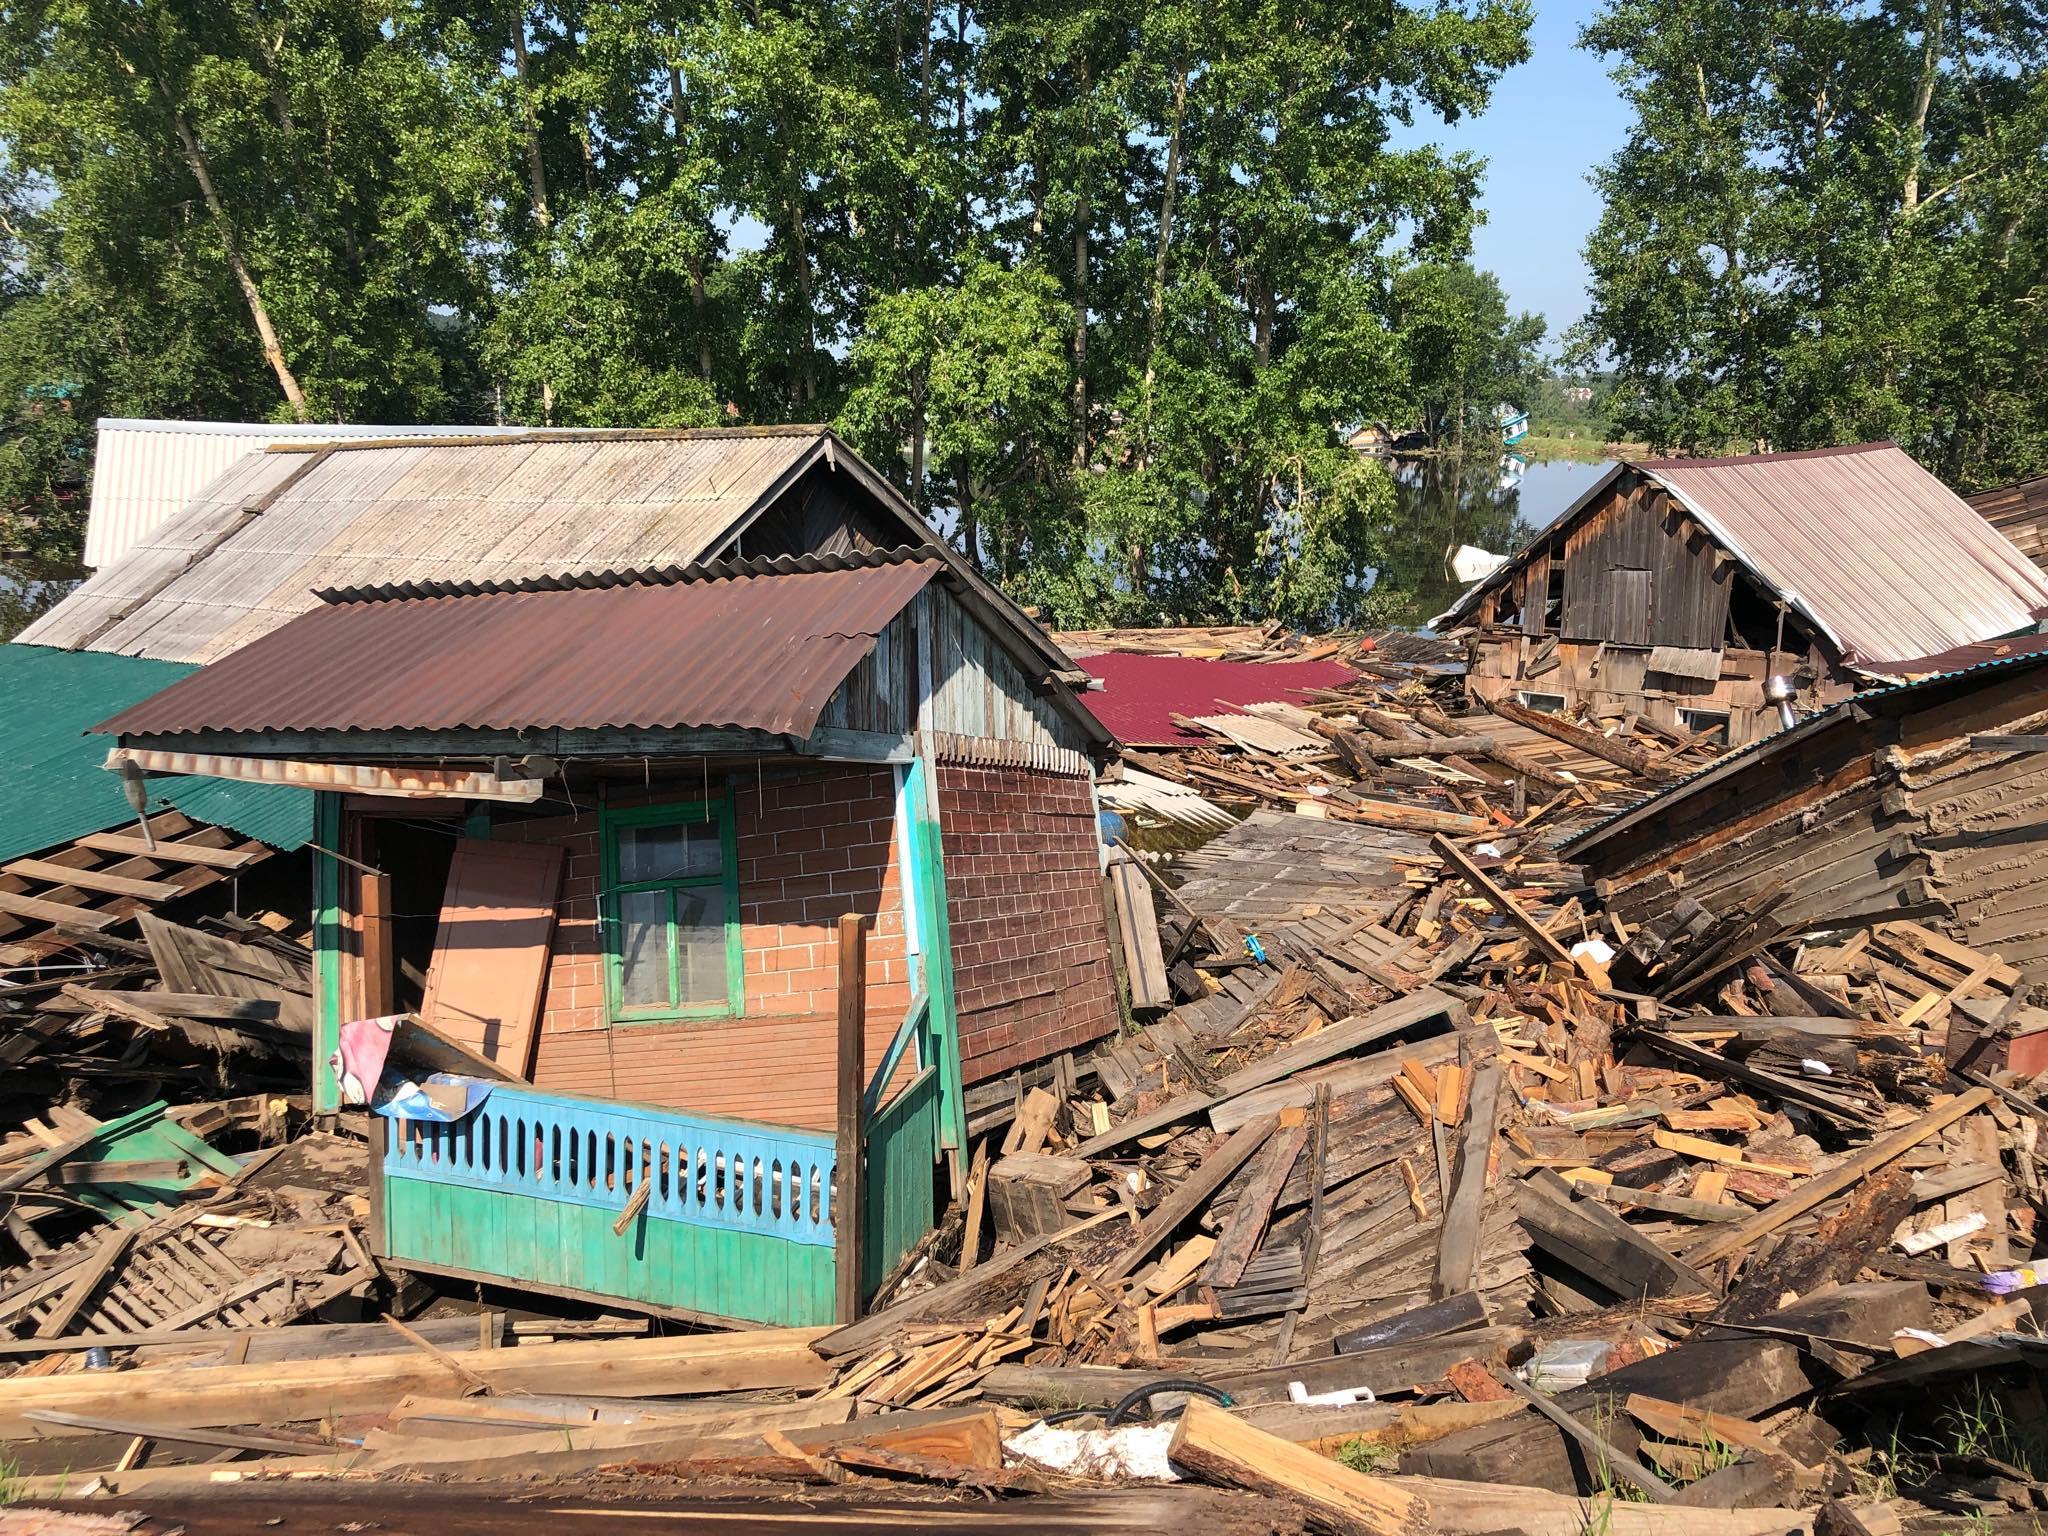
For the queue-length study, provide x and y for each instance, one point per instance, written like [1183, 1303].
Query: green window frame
[717, 813]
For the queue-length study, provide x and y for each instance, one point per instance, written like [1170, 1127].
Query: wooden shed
[1676, 589]
[2020, 512]
[1925, 801]
[600, 830]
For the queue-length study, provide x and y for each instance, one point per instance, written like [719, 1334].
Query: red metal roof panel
[762, 652]
[1141, 693]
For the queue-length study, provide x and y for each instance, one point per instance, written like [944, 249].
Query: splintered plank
[1843, 1176]
[1246, 1227]
[173, 853]
[93, 880]
[39, 910]
[1196, 1188]
[1223, 1447]
[1546, 942]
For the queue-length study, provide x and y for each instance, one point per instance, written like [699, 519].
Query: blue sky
[1552, 120]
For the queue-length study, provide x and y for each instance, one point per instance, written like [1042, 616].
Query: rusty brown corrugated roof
[1882, 557]
[755, 651]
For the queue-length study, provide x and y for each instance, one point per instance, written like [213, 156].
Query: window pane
[673, 852]
[643, 949]
[700, 934]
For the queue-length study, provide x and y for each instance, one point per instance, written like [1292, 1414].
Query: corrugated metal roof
[1873, 550]
[1141, 693]
[762, 652]
[648, 576]
[250, 551]
[54, 789]
[144, 473]
[1883, 555]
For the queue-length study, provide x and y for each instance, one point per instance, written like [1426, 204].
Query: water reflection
[26, 597]
[1440, 503]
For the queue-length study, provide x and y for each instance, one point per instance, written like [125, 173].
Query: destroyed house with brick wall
[1678, 589]
[598, 832]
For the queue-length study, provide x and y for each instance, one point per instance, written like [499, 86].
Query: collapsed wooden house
[1679, 589]
[2020, 512]
[597, 827]
[1926, 800]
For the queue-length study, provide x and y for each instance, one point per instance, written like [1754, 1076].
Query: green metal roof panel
[54, 789]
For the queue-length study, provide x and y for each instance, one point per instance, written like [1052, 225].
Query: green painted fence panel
[902, 1143]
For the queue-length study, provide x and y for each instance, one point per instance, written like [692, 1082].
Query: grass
[1601, 1422]
[1977, 1424]
[1369, 1457]
[10, 1476]
[1589, 449]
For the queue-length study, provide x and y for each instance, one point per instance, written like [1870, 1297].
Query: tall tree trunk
[1263, 306]
[970, 517]
[1082, 214]
[807, 368]
[699, 299]
[1923, 100]
[273, 351]
[536, 167]
[1165, 242]
[917, 436]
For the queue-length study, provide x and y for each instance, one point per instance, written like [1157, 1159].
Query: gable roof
[249, 551]
[145, 472]
[1877, 554]
[753, 645]
[55, 789]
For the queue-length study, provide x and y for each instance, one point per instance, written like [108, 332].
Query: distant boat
[1514, 425]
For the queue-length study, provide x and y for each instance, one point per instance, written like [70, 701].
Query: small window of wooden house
[672, 934]
[1547, 703]
[1693, 721]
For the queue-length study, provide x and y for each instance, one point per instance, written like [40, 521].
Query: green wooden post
[326, 951]
[936, 932]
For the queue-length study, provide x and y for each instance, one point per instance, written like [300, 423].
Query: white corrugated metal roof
[146, 472]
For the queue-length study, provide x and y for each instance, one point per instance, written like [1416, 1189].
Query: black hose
[1145, 1393]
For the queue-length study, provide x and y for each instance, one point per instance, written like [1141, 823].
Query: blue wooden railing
[737, 1224]
[731, 1174]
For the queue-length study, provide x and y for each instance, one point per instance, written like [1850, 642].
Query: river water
[1441, 503]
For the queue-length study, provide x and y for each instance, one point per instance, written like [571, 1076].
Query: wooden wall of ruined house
[1896, 815]
[1632, 616]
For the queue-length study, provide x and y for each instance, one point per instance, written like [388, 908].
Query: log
[1636, 760]
[311, 1389]
[1219, 1446]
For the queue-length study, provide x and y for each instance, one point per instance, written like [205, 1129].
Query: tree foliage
[1829, 223]
[1102, 285]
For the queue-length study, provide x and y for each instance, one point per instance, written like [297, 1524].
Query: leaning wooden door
[491, 953]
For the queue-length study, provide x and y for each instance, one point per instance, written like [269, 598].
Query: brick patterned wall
[811, 846]
[1024, 896]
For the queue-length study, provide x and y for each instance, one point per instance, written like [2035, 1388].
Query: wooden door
[491, 954]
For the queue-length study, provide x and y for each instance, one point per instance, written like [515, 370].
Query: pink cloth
[358, 1063]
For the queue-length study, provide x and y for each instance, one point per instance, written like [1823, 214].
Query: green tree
[1829, 223]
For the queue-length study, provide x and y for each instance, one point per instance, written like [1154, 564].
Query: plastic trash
[1110, 1455]
[1565, 1364]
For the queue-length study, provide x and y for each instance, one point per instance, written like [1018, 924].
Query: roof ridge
[1730, 460]
[644, 576]
[532, 435]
